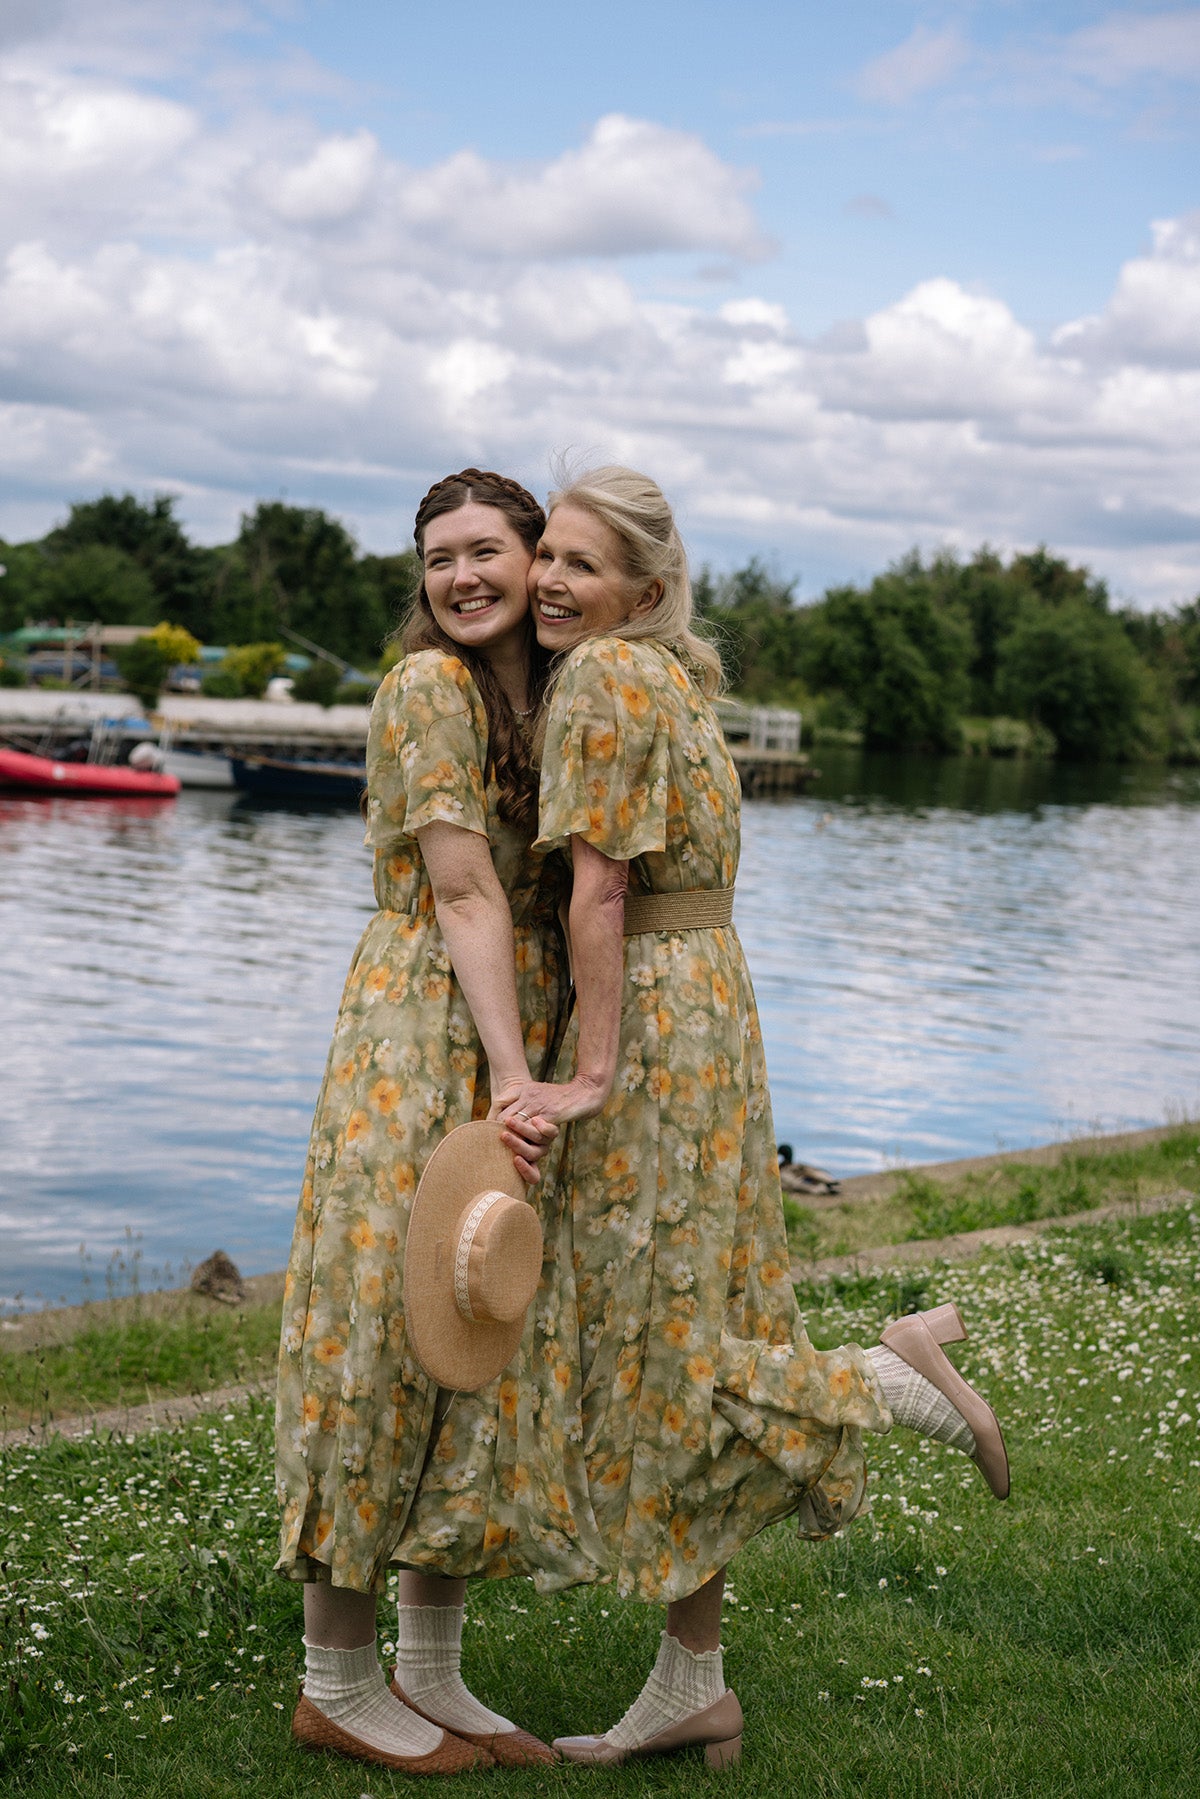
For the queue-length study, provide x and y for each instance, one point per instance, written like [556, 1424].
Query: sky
[846, 281]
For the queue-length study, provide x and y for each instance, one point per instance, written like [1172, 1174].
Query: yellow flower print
[700, 1368]
[725, 1145]
[362, 1236]
[385, 1096]
[358, 1125]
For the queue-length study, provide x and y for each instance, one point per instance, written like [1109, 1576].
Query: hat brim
[454, 1351]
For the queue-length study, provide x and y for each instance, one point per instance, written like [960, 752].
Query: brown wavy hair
[511, 760]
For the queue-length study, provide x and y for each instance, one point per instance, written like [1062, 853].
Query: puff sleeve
[426, 751]
[606, 759]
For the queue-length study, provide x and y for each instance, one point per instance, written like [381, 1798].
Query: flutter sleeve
[607, 754]
[426, 750]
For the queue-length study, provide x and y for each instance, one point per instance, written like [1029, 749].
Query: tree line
[1024, 655]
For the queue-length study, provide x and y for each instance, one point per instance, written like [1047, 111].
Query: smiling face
[476, 575]
[578, 581]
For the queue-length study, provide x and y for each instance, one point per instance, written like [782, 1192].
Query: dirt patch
[969, 1243]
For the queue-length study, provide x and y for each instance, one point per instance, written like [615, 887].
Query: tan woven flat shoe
[313, 1730]
[917, 1339]
[718, 1728]
[507, 1748]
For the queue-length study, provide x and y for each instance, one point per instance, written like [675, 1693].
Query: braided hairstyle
[511, 762]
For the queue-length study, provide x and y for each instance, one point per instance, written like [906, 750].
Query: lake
[950, 957]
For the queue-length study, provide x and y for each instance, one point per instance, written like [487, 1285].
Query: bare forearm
[597, 928]
[478, 933]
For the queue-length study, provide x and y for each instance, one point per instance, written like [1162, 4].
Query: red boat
[38, 774]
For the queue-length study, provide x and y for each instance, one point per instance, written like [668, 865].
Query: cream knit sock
[681, 1682]
[428, 1664]
[348, 1686]
[916, 1403]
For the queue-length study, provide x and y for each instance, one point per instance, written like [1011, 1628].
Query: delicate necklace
[528, 711]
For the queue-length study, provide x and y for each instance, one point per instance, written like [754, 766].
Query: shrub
[318, 682]
[244, 671]
[145, 663]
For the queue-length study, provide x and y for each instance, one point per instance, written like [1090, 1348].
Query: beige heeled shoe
[917, 1339]
[718, 1728]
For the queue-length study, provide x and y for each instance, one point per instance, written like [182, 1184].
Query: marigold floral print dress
[354, 1411]
[666, 1404]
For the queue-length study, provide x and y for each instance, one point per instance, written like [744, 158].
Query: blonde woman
[703, 1414]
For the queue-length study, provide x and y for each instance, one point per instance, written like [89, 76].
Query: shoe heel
[944, 1324]
[724, 1755]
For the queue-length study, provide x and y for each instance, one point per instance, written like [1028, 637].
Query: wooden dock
[764, 741]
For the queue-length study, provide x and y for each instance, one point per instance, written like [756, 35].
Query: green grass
[127, 1353]
[946, 1645]
[918, 1206]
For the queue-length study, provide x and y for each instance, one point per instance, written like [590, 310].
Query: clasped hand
[531, 1112]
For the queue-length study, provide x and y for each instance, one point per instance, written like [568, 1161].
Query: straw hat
[472, 1260]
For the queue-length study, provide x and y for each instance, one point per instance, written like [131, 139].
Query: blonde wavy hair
[636, 510]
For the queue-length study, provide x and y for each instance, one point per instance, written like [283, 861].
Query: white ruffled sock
[428, 1669]
[682, 1681]
[349, 1687]
[916, 1403]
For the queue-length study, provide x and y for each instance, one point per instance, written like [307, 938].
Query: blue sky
[846, 281]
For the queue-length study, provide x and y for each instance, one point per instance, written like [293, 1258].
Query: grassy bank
[161, 1346]
[945, 1645]
[128, 1352]
[917, 1205]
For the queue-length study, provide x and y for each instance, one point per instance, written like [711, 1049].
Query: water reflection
[947, 956]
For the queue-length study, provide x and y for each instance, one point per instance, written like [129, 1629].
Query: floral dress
[354, 1411]
[666, 1403]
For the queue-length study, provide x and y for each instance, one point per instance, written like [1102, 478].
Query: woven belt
[693, 909]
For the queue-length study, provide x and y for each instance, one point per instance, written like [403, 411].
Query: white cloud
[238, 308]
[1131, 44]
[926, 59]
[330, 184]
[635, 187]
[1153, 316]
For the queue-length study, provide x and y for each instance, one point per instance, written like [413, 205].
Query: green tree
[898, 658]
[297, 569]
[99, 581]
[22, 585]
[1073, 669]
[150, 536]
[393, 581]
[751, 615]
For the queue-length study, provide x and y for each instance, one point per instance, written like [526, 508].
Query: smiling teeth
[465, 606]
[549, 611]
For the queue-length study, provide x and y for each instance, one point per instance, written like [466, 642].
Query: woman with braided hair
[450, 1005]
